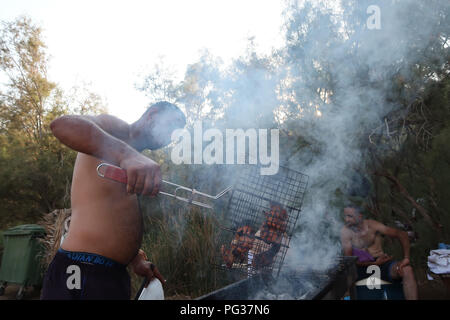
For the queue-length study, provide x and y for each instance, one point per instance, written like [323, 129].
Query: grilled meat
[240, 245]
[271, 232]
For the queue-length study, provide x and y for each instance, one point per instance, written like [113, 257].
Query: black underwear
[85, 276]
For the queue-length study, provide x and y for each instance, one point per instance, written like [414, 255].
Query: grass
[184, 247]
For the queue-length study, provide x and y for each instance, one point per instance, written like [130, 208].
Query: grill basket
[261, 217]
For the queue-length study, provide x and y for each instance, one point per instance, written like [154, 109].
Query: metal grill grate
[303, 283]
[262, 214]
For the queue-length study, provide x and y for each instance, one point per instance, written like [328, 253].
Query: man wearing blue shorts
[361, 237]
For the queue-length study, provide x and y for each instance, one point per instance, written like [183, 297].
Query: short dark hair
[353, 206]
[166, 107]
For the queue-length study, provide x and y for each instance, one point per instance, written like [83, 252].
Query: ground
[434, 290]
[12, 290]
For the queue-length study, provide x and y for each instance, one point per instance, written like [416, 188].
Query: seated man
[359, 238]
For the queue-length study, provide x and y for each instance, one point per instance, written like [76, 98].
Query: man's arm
[111, 124]
[393, 233]
[101, 136]
[142, 267]
[106, 137]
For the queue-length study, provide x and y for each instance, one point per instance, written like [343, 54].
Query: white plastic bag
[154, 291]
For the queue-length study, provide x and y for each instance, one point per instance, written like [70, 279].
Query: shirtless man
[106, 225]
[360, 237]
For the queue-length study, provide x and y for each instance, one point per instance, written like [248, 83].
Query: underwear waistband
[90, 258]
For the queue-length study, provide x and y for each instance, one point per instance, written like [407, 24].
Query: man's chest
[363, 239]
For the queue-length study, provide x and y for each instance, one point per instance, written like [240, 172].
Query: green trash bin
[21, 263]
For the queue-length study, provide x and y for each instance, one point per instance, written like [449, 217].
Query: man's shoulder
[376, 225]
[113, 125]
[372, 222]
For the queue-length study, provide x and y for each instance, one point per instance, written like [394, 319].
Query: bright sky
[113, 44]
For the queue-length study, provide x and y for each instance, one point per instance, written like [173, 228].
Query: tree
[35, 169]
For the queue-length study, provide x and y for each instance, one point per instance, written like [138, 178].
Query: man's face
[156, 130]
[352, 217]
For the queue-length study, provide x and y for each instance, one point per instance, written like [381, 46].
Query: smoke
[334, 81]
[363, 65]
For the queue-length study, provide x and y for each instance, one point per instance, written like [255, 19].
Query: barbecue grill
[300, 284]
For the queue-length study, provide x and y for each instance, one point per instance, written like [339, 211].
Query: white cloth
[439, 261]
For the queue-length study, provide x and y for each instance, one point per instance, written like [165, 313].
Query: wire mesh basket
[261, 217]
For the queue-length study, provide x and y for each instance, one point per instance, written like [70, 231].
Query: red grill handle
[112, 172]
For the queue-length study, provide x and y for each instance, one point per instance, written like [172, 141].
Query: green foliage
[35, 169]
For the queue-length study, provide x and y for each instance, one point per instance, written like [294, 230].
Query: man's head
[353, 216]
[154, 128]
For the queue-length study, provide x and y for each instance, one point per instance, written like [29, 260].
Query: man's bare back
[105, 218]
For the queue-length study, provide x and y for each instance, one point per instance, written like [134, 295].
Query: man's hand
[144, 175]
[383, 259]
[399, 269]
[145, 268]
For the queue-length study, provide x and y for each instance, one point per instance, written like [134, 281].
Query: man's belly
[375, 251]
[116, 235]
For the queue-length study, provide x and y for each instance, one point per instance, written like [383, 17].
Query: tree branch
[405, 193]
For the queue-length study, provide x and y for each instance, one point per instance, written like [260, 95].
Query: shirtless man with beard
[106, 225]
[360, 237]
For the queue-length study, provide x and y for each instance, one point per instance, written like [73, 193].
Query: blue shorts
[385, 272]
[85, 276]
